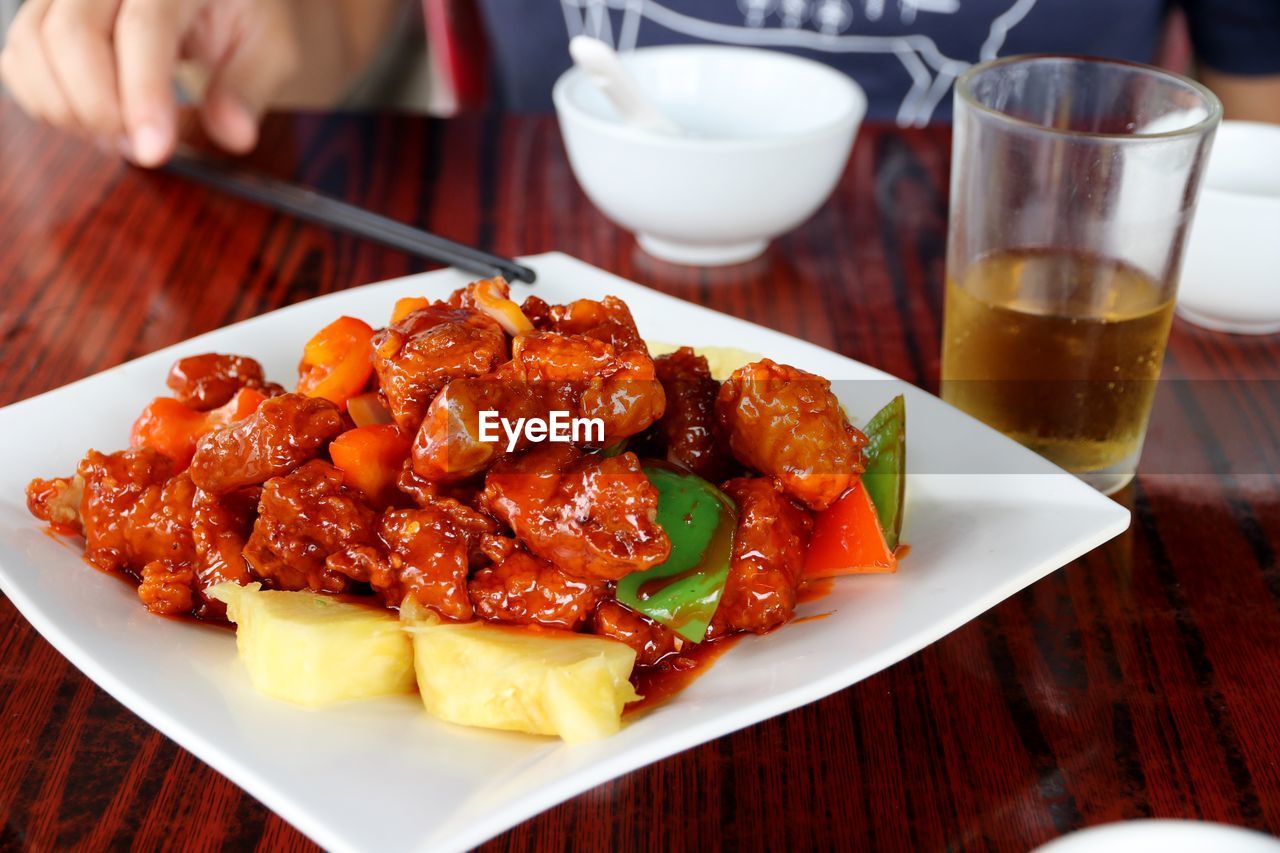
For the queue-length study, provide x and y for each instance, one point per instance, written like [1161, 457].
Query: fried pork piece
[608, 320]
[424, 492]
[524, 590]
[689, 431]
[628, 401]
[497, 548]
[768, 557]
[134, 510]
[448, 446]
[593, 517]
[424, 554]
[57, 501]
[548, 372]
[283, 433]
[208, 381]
[220, 527]
[652, 642]
[786, 423]
[588, 378]
[304, 519]
[417, 357]
[168, 588]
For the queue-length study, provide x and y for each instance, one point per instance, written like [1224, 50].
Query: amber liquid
[1059, 351]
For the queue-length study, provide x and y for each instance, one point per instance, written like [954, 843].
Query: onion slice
[490, 296]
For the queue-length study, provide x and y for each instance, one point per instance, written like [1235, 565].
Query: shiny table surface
[1142, 680]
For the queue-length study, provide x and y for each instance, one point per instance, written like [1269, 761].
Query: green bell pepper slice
[700, 520]
[886, 475]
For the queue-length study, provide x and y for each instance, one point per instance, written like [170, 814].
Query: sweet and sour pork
[535, 534]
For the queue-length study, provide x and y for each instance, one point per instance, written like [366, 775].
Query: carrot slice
[370, 458]
[337, 361]
[173, 428]
[406, 305]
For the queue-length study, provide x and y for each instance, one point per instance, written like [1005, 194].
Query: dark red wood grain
[1142, 680]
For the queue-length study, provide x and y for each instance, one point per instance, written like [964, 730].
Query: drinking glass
[1073, 182]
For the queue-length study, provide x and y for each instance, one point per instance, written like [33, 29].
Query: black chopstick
[325, 210]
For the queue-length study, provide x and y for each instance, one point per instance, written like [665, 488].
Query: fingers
[147, 36]
[247, 77]
[76, 35]
[106, 67]
[26, 72]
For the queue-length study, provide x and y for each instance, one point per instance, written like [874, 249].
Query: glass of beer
[1073, 183]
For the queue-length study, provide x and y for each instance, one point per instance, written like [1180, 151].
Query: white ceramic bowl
[1231, 273]
[770, 135]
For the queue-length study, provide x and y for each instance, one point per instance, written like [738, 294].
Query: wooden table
[1140, 681]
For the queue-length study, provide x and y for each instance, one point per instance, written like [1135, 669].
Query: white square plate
[985, 518]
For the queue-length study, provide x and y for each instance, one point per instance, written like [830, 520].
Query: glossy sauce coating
[590, 378]
[525, 590]
[581, 376]
[57, 501]
[282, 434]
[768, 558]
[659, 682]
[427, 554]
[220, 529]
[167, 587]
[448, 446]
[651, 641]
[608, 320]
[786, 423]
[592, 517]
[304, 518]
[134, 509]
[689, 432]
[418, 356]
[210, 380]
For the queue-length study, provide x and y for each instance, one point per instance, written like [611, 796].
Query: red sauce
[126, 577]
[902, 550]
[192, 619]
[63, 536]
[657, 684]
[813, 617]
[813, 589]
[656, 586]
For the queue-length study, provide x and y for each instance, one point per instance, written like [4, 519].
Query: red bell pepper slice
[847, 539]
[173, 428]
[337, 362]
[370, 458]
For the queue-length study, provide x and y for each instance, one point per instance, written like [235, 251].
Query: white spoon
[600, 62]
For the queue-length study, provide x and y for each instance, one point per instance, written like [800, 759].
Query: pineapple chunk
[314, 649]
[537, 681]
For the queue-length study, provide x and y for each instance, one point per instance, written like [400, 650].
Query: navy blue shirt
[904, 53]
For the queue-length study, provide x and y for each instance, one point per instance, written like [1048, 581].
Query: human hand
[105, 68]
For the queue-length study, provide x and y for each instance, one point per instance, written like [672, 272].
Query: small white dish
[1162, 836]
[768, 137]
[985, 518]
[1231, 273]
